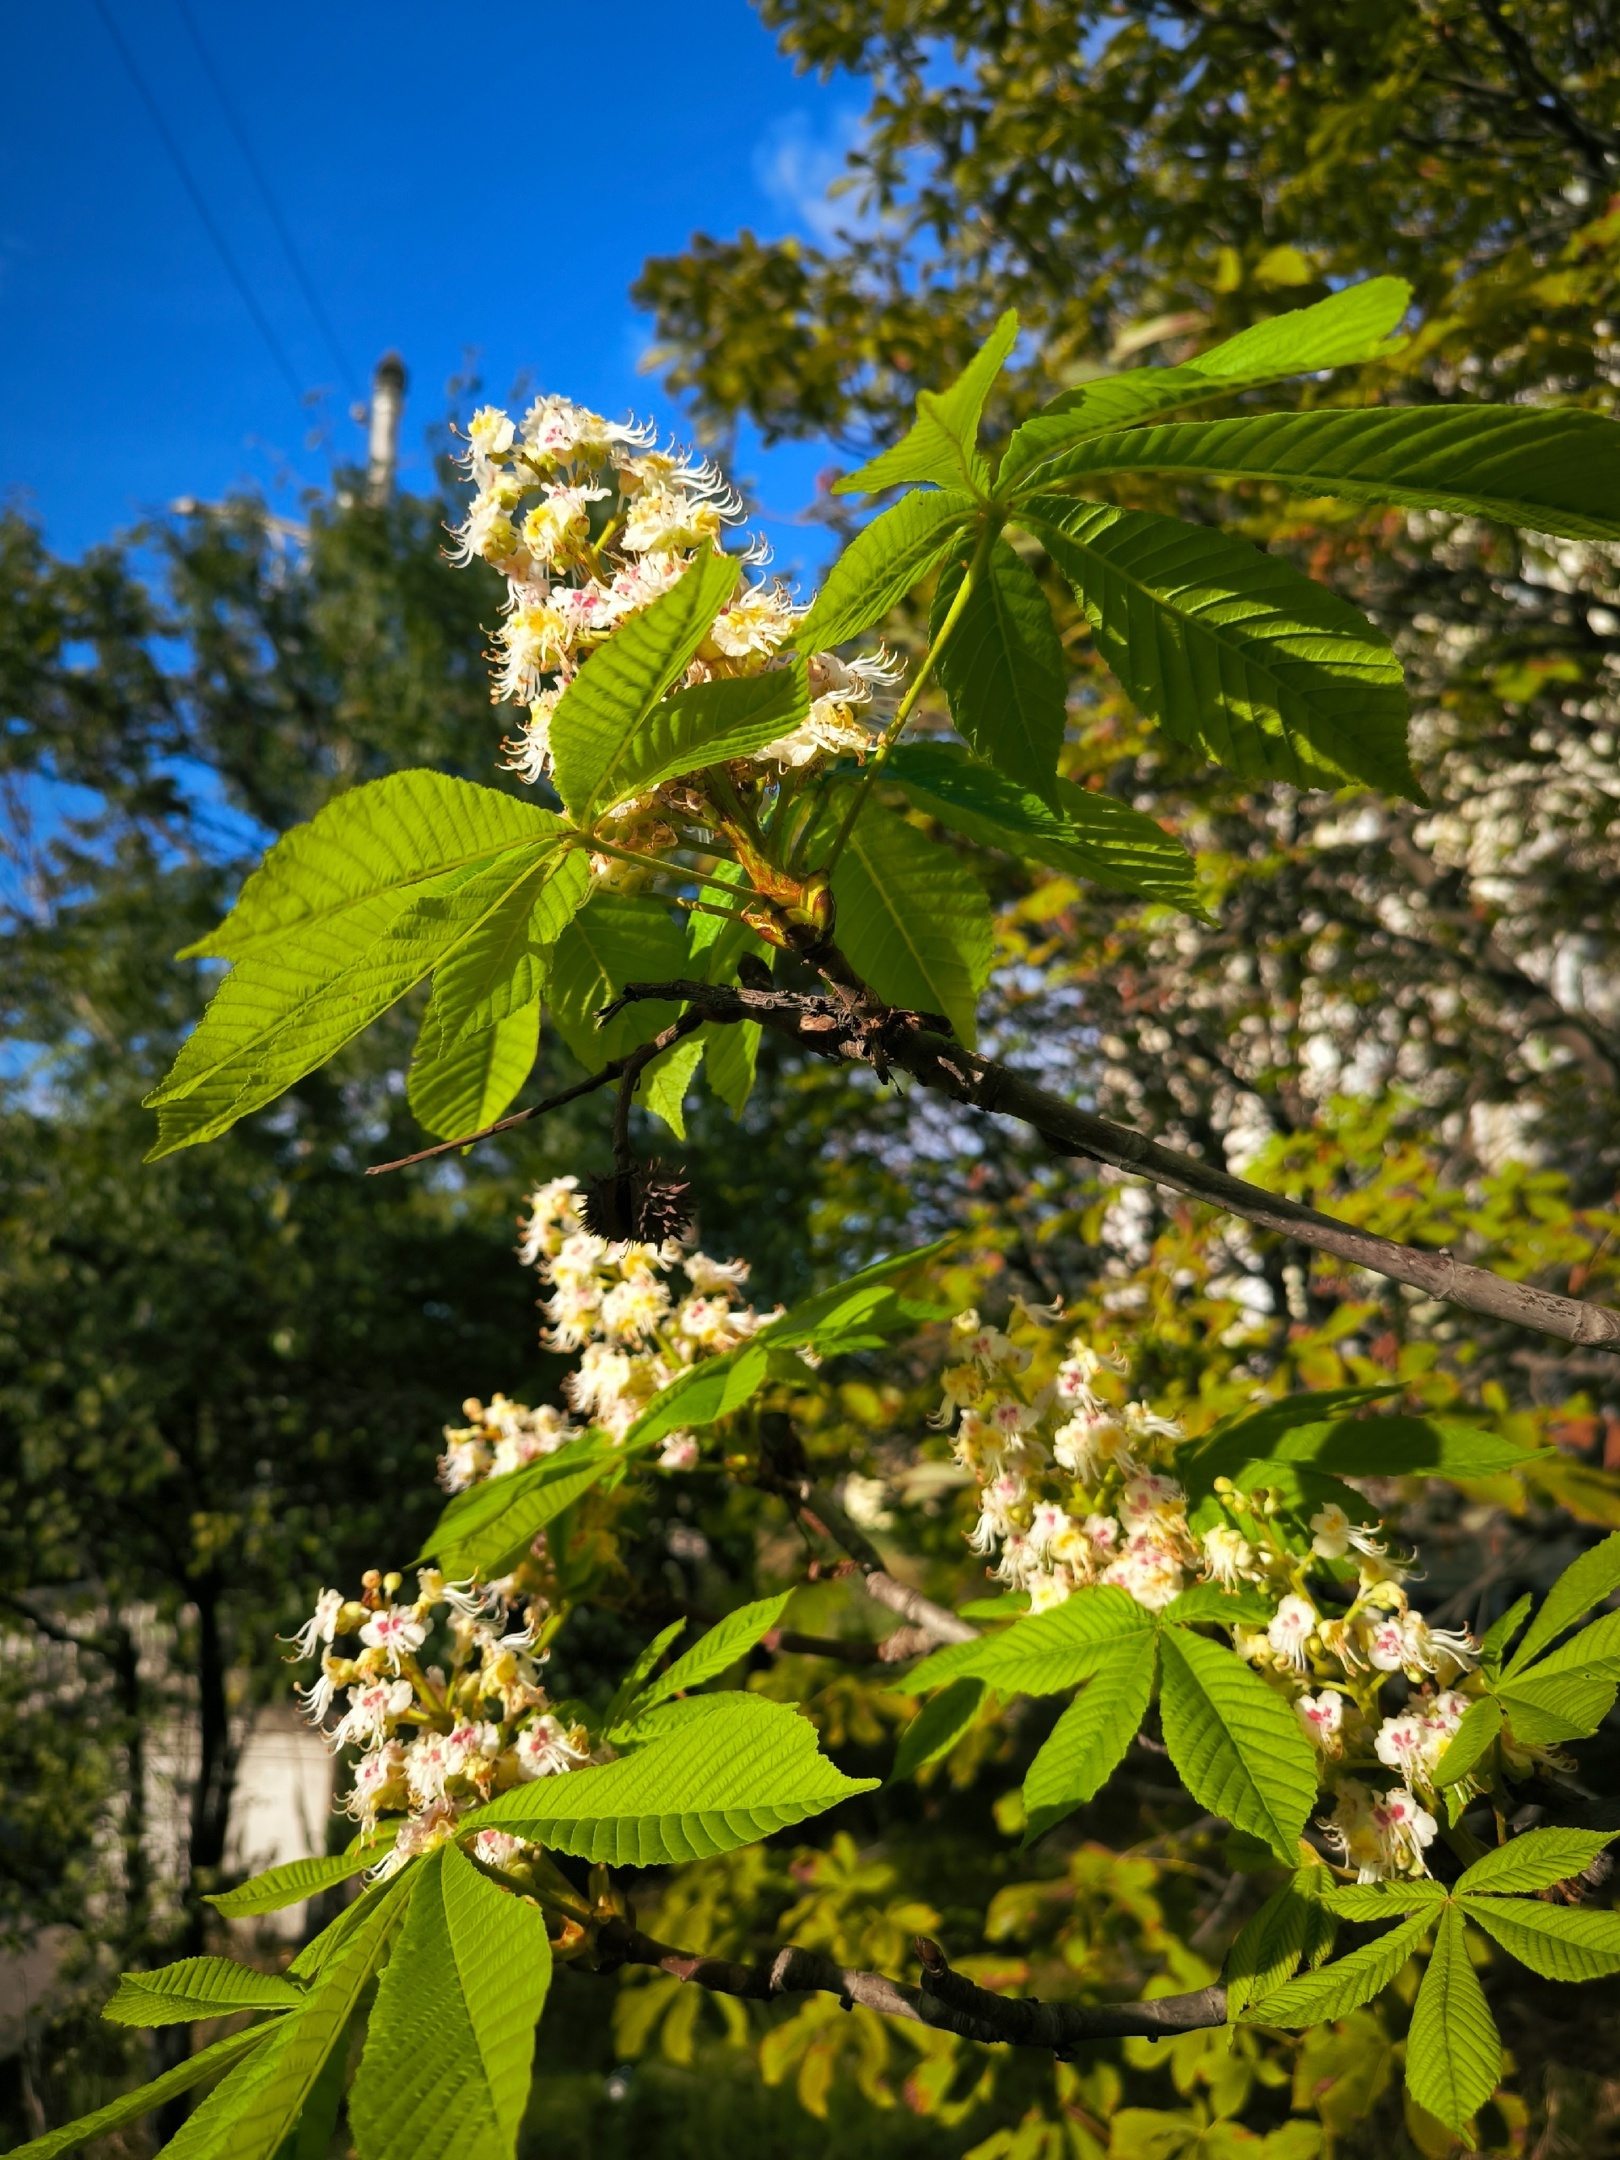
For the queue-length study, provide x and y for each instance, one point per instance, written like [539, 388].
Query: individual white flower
[634, 1309]
[533, 642]
[1045, 1591]
[710, 1277]
[756, 625]
[378, 1782]
[1152, 1499]
[996, 1504]
[320, 1627]
[1292, 1625]
[398, 1629]
[1148, 1570]
[1400, 1743]
[372, 1709]
[553, 1217]
[546, 1748]
[864, 1499]
[1336, 1534]
[679, 1452]
[1048, 1525]
[1406, 1830]
[1228, 1555]
[316, 1699]
[1323, 1718]
[498, 1848]
[490, 433]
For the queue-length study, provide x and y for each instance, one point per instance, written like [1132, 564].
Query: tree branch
[945, 2000]
[905, 1040]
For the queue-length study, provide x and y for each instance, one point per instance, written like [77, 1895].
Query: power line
[306, 284]
[200, 205]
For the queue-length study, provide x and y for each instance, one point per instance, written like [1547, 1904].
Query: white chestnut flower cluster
[621, 1307]
[1076, 1487]
[435, 1739]
[589, 523]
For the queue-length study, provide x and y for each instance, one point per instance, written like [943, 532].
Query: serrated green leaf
[707, 723]
[372, 845]
[1232, 651]
[1544, 1708]
[1453, 2050]
[1536, 1861]
[486, 1530]
[1088, 1742]
[131, 2106]
[1381, 1900]
[739, 1770]
[941, 444]
[1596, 1650]
[1584, 1583]
[292, 1882]
[1236, 1745]
[1561, 1942]
[1556, 470]
[258, 2106]
[882, 563]
[937, 1727]
[608, 706]
[914, 921]
[1500, 1633]
[1253, 1435]
[197, 1987]
[467, 1085]
[1226, 1608]
[716, 1651]
[1003, 669]
[1044, 1653]
[445, 2073]
[701, 1394]
[1089, 835]
[614, 941]
[642, 1664]
[1346, 328]
[284, 1010]
[1382, 1446]
[804, 1322]
[1481, 1722]
[713, 949]
[501, 966]
[668, 1081]
[1317, 1998]
[1272, 1943]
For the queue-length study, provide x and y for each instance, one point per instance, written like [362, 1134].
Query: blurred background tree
[222, 1379]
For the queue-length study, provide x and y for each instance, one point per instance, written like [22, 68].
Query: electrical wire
[200, 204]
[306, 284]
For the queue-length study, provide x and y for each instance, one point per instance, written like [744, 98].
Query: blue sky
[483, 177]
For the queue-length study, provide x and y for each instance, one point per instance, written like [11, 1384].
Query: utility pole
[387, 403]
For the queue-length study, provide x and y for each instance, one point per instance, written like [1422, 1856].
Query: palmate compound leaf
[131, 2106]
[462, 1087]
[1087, 834]
[197, 1987]
[1232, 651]
[1453, 2050]
[742, 1769]
[716, 1651]
[1337, 1989]
[1292, 1927]
[942, 443]
[258, 2106]
[1561, 1942]
[1494, 1643]
[286, 1008]
[1556, 470]
[615, 940]
[1002, 667]
[445, 2073]
[607, 706]
[882, 563]
[1236, 1745]
[1346, 328]
[914, 921]
[1046, 1652]
[1584, 1583]
[1089, 1740]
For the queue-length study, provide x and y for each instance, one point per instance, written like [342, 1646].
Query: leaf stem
[654, 862]
[903, 710]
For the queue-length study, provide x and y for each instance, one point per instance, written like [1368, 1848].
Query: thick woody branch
[945, 2000]
[906, 1042]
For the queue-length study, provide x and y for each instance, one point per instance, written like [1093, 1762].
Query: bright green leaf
[1236, 1745]
[1272, 1943]
[881, 565]
[1500, 1633]
[718, 1650]
[709, 723]
[1088, 1742]
[1584, 1583]
[486, 1530]
[1381, 1900]
[1317, 1998]
[1046, 1652]
[501, 966]
[1003, 668]
[1553, 470]
[1536, 1861]
[614, 941]
[937, 1727]
[1481, 1722]
[1543, 1709]
[1561, 1942]
[1453, 2051]
[469, 1084]
[914, 921]
[941, 444]
[1089, 835]
[294, 1881]
[704, 1392]
[1233, 651]
[197, 1987]
[131, 2106]
[607, 710]
[668, 1081]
